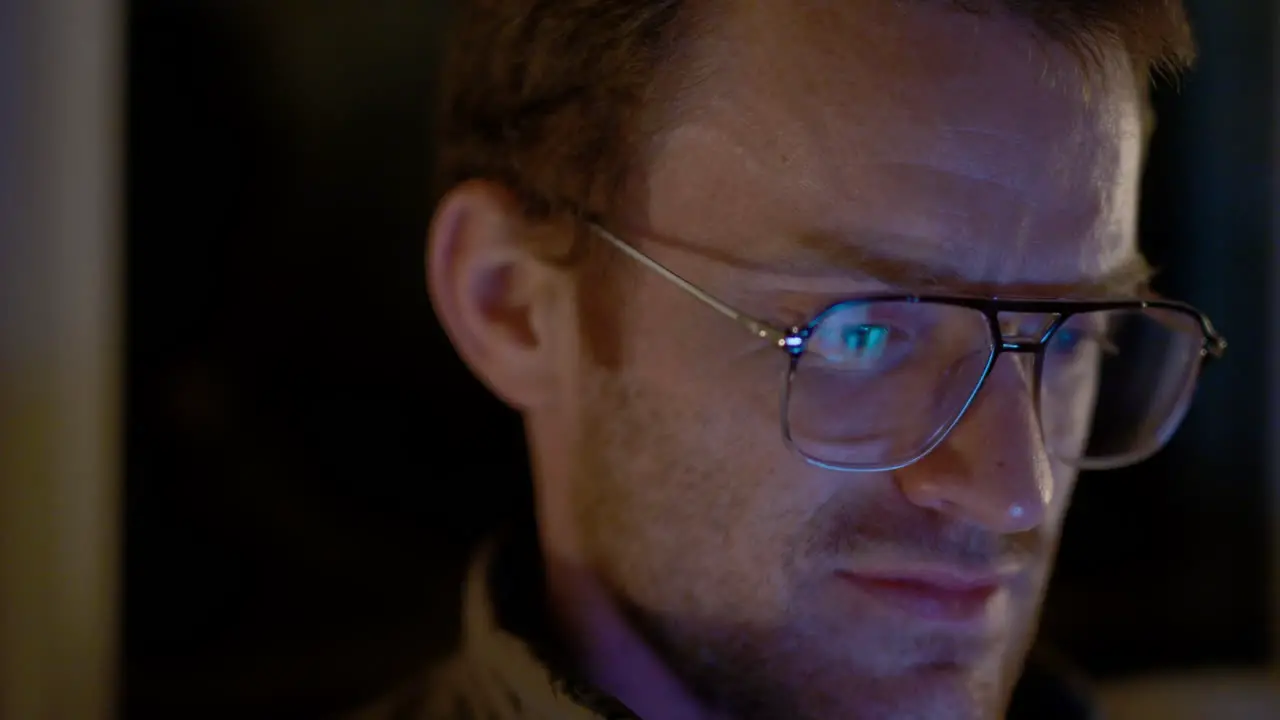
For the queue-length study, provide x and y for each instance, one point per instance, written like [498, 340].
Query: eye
[1066, 340]
[1070, 340]
[857, 346]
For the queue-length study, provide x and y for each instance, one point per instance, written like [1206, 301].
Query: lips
[938, 595]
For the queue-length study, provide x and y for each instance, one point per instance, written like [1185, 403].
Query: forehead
[812, 132]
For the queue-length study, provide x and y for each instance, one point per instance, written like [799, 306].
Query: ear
[499, 303]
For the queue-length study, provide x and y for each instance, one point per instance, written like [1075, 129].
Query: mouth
[940, 594]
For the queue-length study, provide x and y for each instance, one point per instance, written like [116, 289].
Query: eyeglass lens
[1116, 384]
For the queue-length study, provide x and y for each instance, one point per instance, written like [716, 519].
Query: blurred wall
[60, 323]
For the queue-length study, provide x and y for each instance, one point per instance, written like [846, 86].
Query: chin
[936, 693]
[916, 677]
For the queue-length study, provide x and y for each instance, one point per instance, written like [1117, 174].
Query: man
[809, 307]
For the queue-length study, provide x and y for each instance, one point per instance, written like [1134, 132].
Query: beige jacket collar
[501, 676]
[496, 675]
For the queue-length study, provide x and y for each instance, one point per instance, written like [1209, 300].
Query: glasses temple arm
[757, 328]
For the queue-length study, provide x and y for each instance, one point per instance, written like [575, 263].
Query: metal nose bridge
[1017, 337]
[1021, 345]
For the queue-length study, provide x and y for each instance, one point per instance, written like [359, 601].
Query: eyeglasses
[876, 383]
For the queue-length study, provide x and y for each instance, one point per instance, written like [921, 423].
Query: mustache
[918, 537]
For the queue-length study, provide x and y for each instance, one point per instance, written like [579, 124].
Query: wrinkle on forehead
[930, 127]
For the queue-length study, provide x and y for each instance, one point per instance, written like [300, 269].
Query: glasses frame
[794, 341]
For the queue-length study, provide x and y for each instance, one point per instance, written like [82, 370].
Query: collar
[511, 645]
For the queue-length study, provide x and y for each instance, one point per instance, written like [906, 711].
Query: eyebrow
[1132, 277]
[844, 260]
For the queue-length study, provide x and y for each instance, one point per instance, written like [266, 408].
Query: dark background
[307, 461]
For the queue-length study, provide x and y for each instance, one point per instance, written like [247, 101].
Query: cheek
[721, 386]
[1064, 486]
[1064, 478]
[692, 494]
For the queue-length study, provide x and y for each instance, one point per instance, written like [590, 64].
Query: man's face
[958, 149]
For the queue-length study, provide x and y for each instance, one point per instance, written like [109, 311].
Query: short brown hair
[543, 96]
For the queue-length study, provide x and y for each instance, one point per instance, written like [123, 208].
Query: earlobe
[491, 292]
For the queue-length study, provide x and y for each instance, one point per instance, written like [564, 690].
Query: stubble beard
[736, 670]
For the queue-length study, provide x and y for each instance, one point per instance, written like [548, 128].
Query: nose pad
[993, 469]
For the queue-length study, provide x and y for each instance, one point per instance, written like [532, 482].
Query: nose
[993, 469]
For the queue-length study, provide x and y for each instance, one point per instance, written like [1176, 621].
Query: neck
[607, 648]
